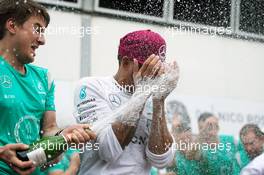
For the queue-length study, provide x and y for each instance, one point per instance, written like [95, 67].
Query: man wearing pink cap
[127, 149]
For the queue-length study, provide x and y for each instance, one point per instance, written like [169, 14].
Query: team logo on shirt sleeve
[39, 87]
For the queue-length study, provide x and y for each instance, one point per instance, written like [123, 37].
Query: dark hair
[175, 106]
[20, 11]
[251, 127]
[204, 116]
[119, 58]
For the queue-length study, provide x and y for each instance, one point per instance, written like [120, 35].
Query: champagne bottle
[44, 150]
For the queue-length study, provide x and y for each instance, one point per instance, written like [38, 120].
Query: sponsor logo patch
[82, 94]
[114, 100]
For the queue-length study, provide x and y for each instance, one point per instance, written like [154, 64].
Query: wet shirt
[184, 166]
[221, 161]
[256, 167]
[63, 164]
[23, 101]
[96, 98]
[242, 156]
[154, 171]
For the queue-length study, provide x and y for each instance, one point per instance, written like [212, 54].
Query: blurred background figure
[176, 109]
[179, 123]
[251, 157]
[184, 164]
[182, 133]
[68, 165]
[252, 139]
[220, 157]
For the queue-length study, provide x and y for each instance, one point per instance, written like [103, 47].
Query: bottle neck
[66, 138]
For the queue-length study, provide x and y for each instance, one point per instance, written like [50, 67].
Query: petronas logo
[83, 93]
[40, 87]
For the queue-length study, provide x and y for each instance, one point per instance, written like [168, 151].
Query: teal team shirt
[223, 161]
[242, 156]
[214, 162]
[23, 101]
[154, 171]
[184, 166]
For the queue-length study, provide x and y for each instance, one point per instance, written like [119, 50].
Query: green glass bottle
[44, 150]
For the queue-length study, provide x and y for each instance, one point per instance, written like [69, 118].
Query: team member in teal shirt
[26, 91]
[252, 141]
[221, 159]
[186, 166]
[242, 156]
[183, 164]
[218, 152]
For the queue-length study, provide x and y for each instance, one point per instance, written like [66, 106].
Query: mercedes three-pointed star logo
[114, 100]
[5, 81]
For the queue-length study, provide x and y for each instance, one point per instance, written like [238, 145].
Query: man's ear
[11, 26]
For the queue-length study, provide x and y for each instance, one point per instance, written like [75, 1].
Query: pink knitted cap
[141, 44]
